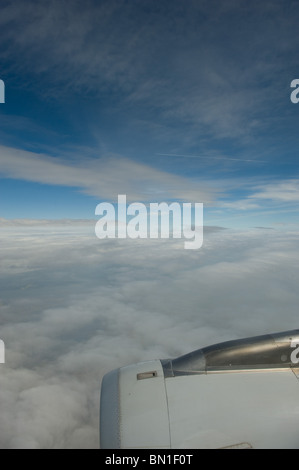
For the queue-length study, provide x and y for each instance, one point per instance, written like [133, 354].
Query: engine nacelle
[238, 394]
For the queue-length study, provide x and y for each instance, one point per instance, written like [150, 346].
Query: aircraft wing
[238, 394]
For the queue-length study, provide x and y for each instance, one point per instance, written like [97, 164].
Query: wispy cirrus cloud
[104, 178]
[179, 62]
[282, 191]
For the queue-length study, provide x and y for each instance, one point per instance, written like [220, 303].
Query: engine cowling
[238, 394]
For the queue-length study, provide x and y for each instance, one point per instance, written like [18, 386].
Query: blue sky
[168, 100]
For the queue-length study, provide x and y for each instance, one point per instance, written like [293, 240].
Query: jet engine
[237, 394]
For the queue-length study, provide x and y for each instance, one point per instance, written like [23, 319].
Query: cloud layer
[74, 307]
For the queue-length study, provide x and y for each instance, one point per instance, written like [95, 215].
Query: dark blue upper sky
[169, 100]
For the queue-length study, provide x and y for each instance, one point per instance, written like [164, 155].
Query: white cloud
[242, 205]
[104, 178]
[282, 191]
[80, 307]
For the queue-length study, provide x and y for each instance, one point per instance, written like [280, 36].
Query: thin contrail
[209, 158]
